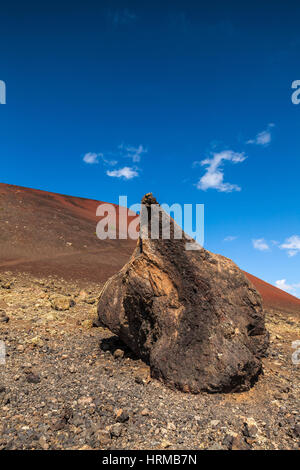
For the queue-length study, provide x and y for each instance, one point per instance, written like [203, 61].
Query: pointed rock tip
[149, 199]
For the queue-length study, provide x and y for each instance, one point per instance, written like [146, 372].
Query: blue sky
[189, 100]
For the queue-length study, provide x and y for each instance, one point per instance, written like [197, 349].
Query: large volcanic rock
[192, 315]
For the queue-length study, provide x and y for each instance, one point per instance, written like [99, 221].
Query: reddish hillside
[47, 233]
[275, 298]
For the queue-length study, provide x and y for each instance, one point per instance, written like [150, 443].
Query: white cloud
[260, 244]
[214, 176]
[263, 138]
[110, 162]
[92, 158]
[111, 158]
[282, 284]
[292, 253]
[126, 173]
[132, 152]
[230, 238]
[291, 245]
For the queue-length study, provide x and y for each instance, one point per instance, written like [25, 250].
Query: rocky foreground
[69, 385]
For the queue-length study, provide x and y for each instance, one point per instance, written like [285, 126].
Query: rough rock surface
[192, 315]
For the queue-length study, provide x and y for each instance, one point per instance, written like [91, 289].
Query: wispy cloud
[263, 138]
[92, 158]
[126, 173]
[112, 158]
[282, 284]
[135, 153]
[260, 244]
[214, 175]
[230, 238]
[291, 245]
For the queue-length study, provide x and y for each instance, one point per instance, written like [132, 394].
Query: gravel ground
[67, 384]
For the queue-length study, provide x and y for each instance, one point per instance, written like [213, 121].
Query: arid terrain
[45, 233]
[69, 384]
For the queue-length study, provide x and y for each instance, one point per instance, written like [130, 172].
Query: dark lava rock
[3, 317]
[116, 430]
[33, 378]
[122, 416]
[191, 314]
[250, 428]
[235, 442]
[4, 396]
[297, 430]
[118, 354]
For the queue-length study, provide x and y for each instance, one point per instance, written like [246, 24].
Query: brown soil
[65, 381]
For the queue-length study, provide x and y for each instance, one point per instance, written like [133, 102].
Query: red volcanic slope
[46, 233]
[275, 298]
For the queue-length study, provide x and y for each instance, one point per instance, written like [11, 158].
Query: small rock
[214, 423]
[116, 430]
[59, 425]
[4, 396]
[87, 324]
[233, 441]
[3, 317]
[6, 285]
[165, 444]
[297, 430]
[33, 378]
[61, 302]
[36, 341]
[138, 379]
[122, 416]
[145, 412]
[118, 354]
[43, 443]
[250, 428]
[85, 401]
[49, 317]
[104, 437]
[142, 376]
[171, 426]
[238, 443]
